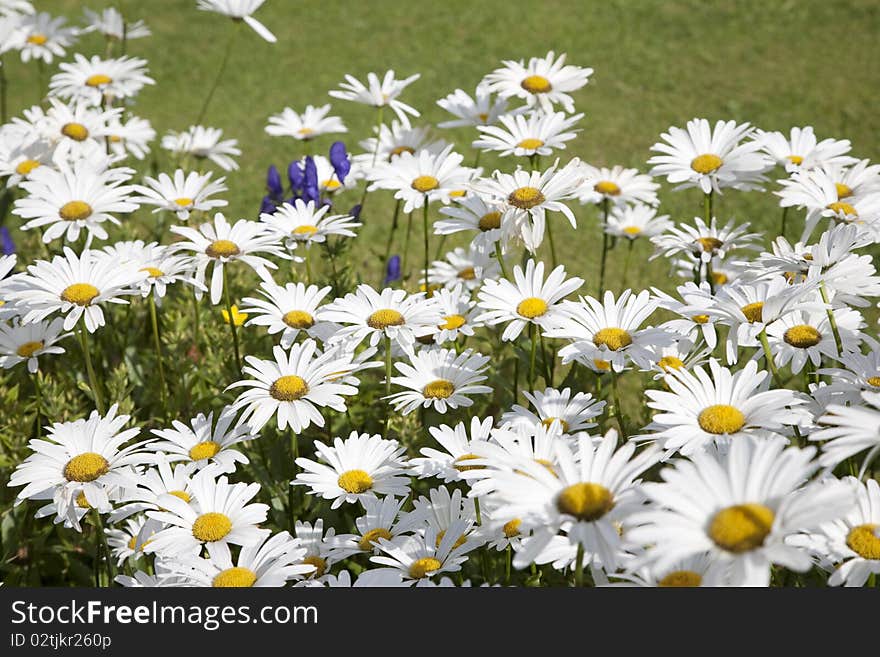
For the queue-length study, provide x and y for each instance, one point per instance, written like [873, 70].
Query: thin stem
[477, 511]
[406, 243]
[90, 370]
[477, 159]
[427, 255]
[196, 322]
[227, 296]
[618, 410]
[708, 202]
[3, 85]
[768, 357]
[832, 320]
[534, 340]
[158, 345]
[552, 244]
[294, 451]
[626, 262]
[579, 566]
[391, 233]
[101, 544]
[548, 372]
[38, 395]
[334, 275]
[710, 276]
[784, 221]
[604, 248]
[387, 380]
[220, 73]
[507, 560]
[308, 264]
[500, 258]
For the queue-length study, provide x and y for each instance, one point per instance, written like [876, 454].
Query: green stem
[548, 372]
[579, 566]
[832, 320]
[334, 280]
[618, 410]
[477, 511]
[387, 381]
[223, 63]
[708, 203]
[509, 551]
[232, 328]
[534, 340]
[500, 258]
[626, 261]
[38, 394]
[552, 244]
[308, 264]
[409, 224]
[90, 370]
[604, 248]
[784, 221]
[196, 320]
[3, 85]
[163, 387]
[768, 357]
[391, 234]
[427, 255]
[101, 544]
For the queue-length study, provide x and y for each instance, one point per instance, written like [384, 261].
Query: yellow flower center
[289, 388]
[452, 322]
[548, 422]
[400, 150]
[483, 116]
[700, 319]
[843, 191]
[81, 294]
[425, 184]
[874, 381]
[607, 187]
[841, 207]
[384, 318]
[526, 198]
[467, 274]
[115, 139]
[457, 463]
[331, 184]
[222, 249]
[181, 495]
[86, 467]
[613, 338]
[75, 211]
[754, 312]
[28, 349]
[681, 578]
[709, 244]
[863, 540]
[238, 318]
[236, 577]
[76, 131]
[211, 527]
[26, 166]
[355, 481]
[458, 543]
[548, 466]
[490, 221]
[802, 336]
[421, 567]
[204, 450]
[531, 307]
[298, 319]
[153, 272]
[439, 389]
[585, 501]
[367, 540]
[305, 132]
[601, 365]
[719, 278]
[795, 159]
[706, 163]
[319, 564]
[632, 230]
[306, 230]
[741, 528]
[82, 502]
[183, 201]
[37, 39]
[721, 419]
[670, 363]
[98, 79]
[511, 528]
[530, 144]
[536, 84]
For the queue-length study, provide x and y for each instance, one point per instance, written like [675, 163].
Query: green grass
[657, 63]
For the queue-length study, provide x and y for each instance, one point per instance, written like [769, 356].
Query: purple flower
[355, 211]
[310, 182]
[273, 182]
[339, 160]
[8, 246]
[392, 269]
[268, 205]
[295, 175]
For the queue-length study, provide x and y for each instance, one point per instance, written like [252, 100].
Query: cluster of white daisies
[762, 385]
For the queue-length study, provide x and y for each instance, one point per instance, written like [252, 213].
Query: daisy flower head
[573, 412]
[76, 286]
[440, 511]
[805, 336]
[15, 8]
[711, 159]
[592, 489]
[220, 243]
[95, 79]
[110, 23]
[456, 442]
[720, 407]
[471, 213]
[702, 242]
[293, 386]
[618, 185]
[25, 343]
[72, 199]
[45, 37]
[528, 135]
[442, 378]
[19, 160]
[312, 123]
[391, 313]
[421, 178]
[380, 520]
[847, 430]
[607, 334]
[479, 110]
[307, 223]
[543, 81]
[321, 548]
[204, 442]
[160, 479]
[181, 194]
[378, 93]
[458, 312]
[423, 556]
[162, 265]
[130, 138]
[361, 466]
[80, 462]
[802, 151]
[128, 542]
[740, 507]
[239, 10]
[328, 180]
[218, 515]
[679, 355]
[202, 144]
[697, 570]
[76, 129]
[464, 267]
[287, 310]
[525, 198]
[393, 141]
[634, 221]
[529, 300]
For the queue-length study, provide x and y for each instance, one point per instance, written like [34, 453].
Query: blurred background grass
[657, 63]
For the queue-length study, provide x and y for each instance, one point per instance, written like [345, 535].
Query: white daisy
[203, 143]
[286, 310]
[634, 221]
[130, 138]
[802, 151]
[312, 123]
[182, 194]
[617, 185]
[20, 343]
[420, 557]
[544, 81]
[849, 430]
[468, 268]
[320, 547]
[458, 314]
[293, 386]
[45, 37]
[359, 467]
[441, 378]
[476, 111]
[96, 79]
[574, 412]
[803, 336]
[392, 142]
[457, 442]
[239, 10]
[471, 213]
[112, 25]
[203, 442]
[129, 542]
[380, 520]
[378, 93]
[702, 242]
[163, 478]
[162, 265]
[308, 223]
[530, 135]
